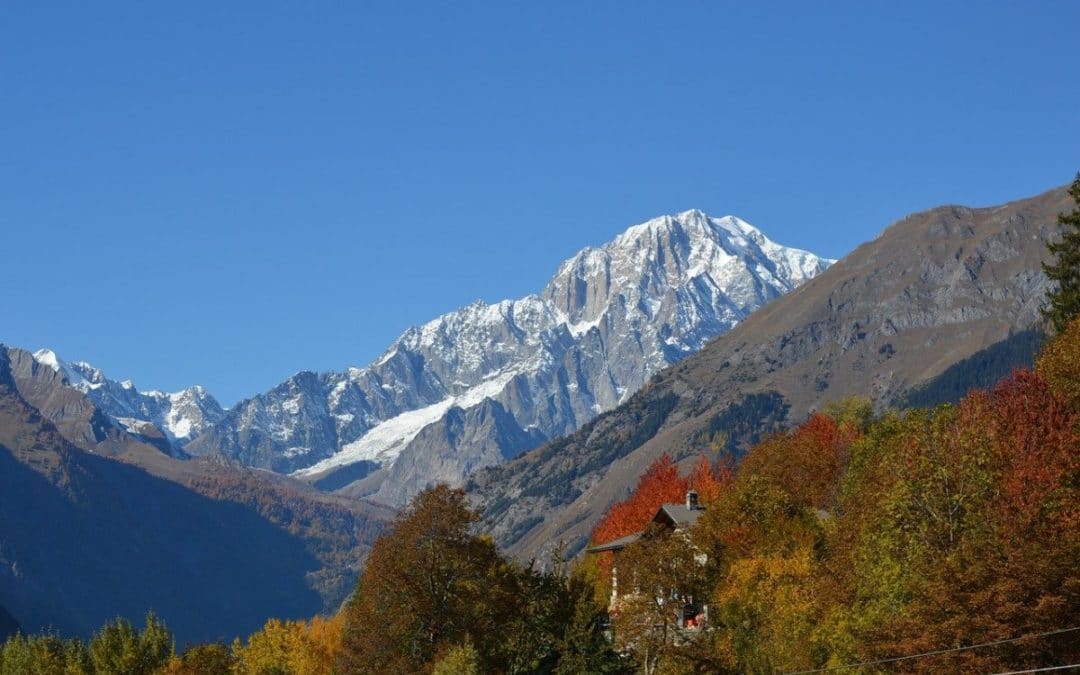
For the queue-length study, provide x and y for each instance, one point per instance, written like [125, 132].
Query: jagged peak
[84, 376]
[48, 357]
[693, 222]
[706, 244]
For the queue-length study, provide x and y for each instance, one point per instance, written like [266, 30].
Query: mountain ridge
[609, 317]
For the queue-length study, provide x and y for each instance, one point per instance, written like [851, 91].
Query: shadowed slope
[85, 538]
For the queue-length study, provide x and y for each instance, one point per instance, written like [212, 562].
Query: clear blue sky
[226, 193]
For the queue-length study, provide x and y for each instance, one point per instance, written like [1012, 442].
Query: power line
[1040, 670]
[940, 651]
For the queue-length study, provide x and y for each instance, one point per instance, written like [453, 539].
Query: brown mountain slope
[931, 290]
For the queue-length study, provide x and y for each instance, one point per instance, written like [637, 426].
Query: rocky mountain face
[174, 418]
[934, 289]
[480, 385]
[96, 523]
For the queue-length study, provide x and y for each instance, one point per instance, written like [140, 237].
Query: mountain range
[480, 385]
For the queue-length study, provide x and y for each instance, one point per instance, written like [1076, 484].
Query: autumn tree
[709, 481]
[767, 612]
[291, 647]
[961, 521]
[462, 659]
[121, 648]
[1063, 300]
[762, 545]
[1059, 364]
[429, 584]
[1036, 509]
[214, 658]
[808, 461]
[918, 502]
[659, 484]
[659, 574]
[46, 654]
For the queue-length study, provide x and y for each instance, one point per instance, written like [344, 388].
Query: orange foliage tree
[807, 461]
[660, 484]
[1038, 443]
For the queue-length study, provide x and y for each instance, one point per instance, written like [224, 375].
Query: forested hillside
[855, 538]
[978, 371]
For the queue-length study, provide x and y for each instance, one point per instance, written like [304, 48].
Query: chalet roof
[616, 545]
[677, 515]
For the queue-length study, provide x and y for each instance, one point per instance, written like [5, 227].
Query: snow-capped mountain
[179, 416]
[481, 384]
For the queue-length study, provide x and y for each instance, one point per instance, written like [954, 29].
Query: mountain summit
[482, 384]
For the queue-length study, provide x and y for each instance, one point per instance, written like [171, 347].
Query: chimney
[691, 501]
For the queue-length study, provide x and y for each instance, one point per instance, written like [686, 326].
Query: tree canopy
[1063, 302]
[852, 538]
[433, 593]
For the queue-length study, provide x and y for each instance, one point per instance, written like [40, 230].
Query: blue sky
[227, 193]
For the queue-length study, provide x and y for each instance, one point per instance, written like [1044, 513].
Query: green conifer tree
[1064, 272]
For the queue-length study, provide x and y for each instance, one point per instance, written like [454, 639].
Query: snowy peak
[47, 357]
[692, 243]
[179, 415]
[675, 268]
[545, 364]
[188, 412]
[79, 375]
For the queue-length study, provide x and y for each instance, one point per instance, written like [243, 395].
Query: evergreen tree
[584, 647]
[1064, 272]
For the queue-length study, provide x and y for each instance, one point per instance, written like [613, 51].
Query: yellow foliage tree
[1059, 364]
[769, 606]
[291, 647]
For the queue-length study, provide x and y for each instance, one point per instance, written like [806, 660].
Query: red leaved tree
[806, 461]
[661, 483]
